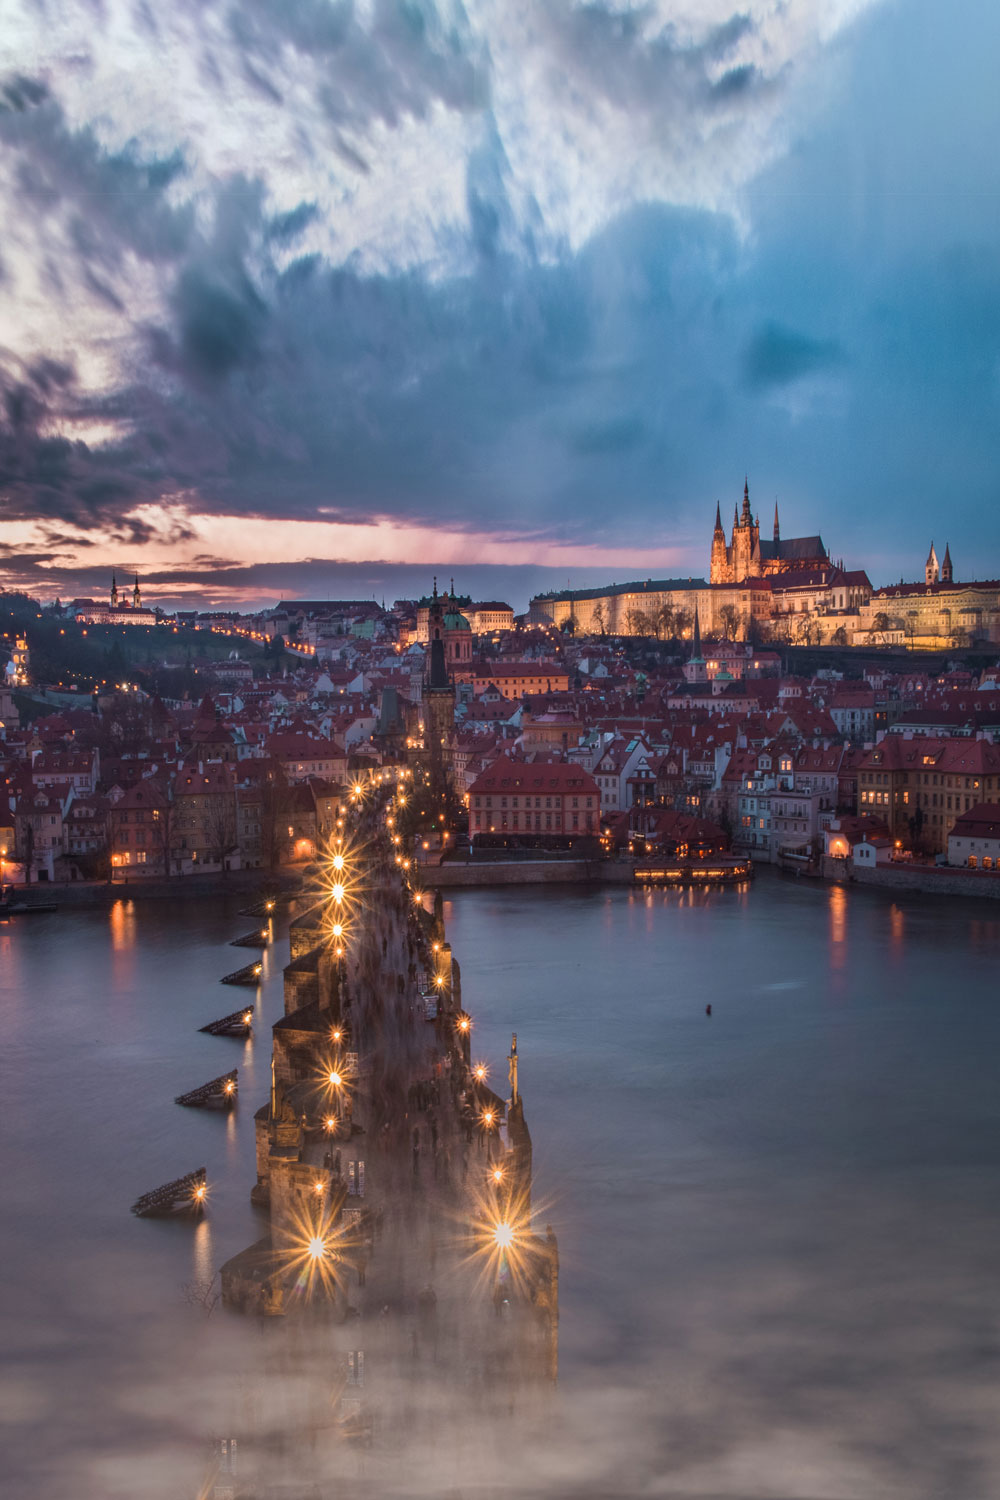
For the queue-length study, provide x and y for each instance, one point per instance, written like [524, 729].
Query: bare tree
[220, 824]
[665, 620]
[729, 615]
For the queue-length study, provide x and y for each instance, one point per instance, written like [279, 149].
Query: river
[778, 1223]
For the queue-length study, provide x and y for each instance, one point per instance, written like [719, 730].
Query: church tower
[136, 596]
[746, 539]
[114, 592]
[719, 570]
[931, 570]
[946, 569]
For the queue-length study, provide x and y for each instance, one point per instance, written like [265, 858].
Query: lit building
[746, 556]
[547, 802]
[920, 785]
[936, 614]
[118, 611]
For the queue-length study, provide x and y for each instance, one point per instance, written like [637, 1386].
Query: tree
[682, 621]
[220, 824]
[665, 620]
[729, 615]
[599, 617]
[638, 622]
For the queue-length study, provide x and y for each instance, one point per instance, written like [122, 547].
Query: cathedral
[746, 556]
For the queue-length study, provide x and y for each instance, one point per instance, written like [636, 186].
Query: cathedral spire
[746, 518]
[114, 591]
[696, 652]
[718, 520]
[777, 529]
[947, 575]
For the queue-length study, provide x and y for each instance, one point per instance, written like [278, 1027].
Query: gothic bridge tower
[439, 702]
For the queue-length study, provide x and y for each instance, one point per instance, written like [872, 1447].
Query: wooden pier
[249, 974]
[238, 1023]
[184, 1195]
[218, 1093]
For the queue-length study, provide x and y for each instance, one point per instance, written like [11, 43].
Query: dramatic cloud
[550, 271]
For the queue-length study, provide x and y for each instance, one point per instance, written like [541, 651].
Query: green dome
[454, 621]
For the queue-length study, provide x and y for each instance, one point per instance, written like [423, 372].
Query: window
[140, 857]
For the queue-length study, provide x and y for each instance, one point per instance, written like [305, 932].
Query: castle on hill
[746, 556]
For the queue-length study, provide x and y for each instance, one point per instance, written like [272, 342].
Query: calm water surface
[779, 1225]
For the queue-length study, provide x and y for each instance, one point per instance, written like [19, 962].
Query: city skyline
[304, 305]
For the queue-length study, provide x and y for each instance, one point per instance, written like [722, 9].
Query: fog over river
[779, 1224]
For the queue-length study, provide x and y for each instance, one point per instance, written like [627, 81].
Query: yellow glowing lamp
[488, 1118]
[337, 893]
[335, 1078]
[330, 1123]
[200, 1193]
[230, 1085]
[247, 1017]
[317, 1188]
[479, 1072]
[338, 930]
[503, 1236]
[464, 1024]
[317, 1248]
[338, 861]
[497, 1174]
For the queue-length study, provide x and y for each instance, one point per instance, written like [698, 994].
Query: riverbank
[479, 873]
[929, 880]
[82, 893]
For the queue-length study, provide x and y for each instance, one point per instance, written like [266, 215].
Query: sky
[321, 297]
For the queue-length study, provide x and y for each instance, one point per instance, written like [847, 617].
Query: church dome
[454, 621]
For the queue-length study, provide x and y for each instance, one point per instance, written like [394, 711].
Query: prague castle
[746, 556]
[754, 589]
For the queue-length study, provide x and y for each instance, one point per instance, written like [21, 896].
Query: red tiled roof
[560, 777]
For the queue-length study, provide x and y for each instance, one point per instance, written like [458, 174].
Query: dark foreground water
[779, 1225]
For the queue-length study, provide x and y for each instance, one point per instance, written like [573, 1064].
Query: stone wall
[527, 872]
[938, 880]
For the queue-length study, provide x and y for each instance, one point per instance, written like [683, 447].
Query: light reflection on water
[777, 1223]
